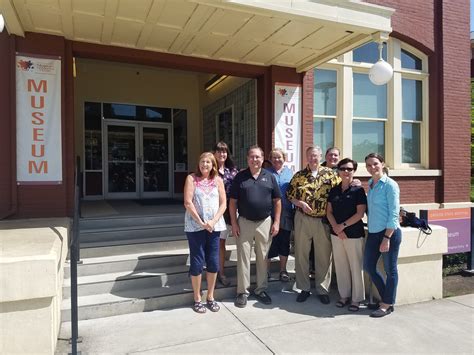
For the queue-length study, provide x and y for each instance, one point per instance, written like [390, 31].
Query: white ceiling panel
[176, 14]
[136, 10]
[126, 33]
[293, 33]
[259, 28]
[161, 38]
[88, 27]
[91, 7]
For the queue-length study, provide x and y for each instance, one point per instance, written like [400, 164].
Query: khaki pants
[348, 259]
[306, 229]
[250, 231]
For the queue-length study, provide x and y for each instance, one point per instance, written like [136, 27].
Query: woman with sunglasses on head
[227, 171]
[384, 236]
[345, 209]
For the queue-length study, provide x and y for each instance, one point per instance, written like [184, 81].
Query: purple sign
[458, 223]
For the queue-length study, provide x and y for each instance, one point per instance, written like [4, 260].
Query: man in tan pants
[254, 193]
[308, 191]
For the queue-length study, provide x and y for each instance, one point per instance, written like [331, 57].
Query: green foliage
[454, 263]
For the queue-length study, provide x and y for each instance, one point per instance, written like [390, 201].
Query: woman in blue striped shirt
[384, 238]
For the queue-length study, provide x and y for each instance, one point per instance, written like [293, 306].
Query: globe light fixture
[381, 72]
[2, 23]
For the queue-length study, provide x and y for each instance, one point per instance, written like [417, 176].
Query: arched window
[361, 117]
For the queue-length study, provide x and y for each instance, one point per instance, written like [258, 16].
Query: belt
[308, 215]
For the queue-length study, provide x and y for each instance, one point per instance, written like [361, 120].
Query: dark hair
[213, 172]
[255, 147]
[347, 160]
[376, 156]
[332, 148]
[223, 147]
[379, 158]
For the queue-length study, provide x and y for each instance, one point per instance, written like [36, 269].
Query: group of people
[322, 203]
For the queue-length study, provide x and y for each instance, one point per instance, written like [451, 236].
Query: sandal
[353, 308]
[198, 307]
[284, 277]
[213, 306]
[342, 303]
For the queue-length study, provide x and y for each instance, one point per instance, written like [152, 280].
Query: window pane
[411, 100]
[369, 53]
[124, 112]
[323, 132]
[410, 61]
[367, 137]
[369, 100]
[411, 143]
[325, 92]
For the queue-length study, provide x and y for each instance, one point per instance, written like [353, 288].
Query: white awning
[292, 33]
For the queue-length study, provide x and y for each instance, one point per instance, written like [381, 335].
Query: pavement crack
[250, 330]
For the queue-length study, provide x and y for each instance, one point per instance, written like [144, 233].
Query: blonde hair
[213, 173]
[278, 150]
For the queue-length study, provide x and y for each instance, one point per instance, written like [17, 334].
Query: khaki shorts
[226, 233]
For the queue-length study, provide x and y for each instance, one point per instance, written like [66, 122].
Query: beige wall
[125, 83]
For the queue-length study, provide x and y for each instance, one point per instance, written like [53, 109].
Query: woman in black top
[346, 207]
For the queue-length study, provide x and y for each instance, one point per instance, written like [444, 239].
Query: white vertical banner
[288, 122]
[38, 120]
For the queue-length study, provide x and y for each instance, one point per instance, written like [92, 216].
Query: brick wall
[456, 135]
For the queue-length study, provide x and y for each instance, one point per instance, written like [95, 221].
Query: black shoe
[303, 296]
[324, 299]
[379, 313]
[241, 300]
[263, 297]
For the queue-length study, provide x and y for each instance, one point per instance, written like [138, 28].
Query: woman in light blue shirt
[384, 238]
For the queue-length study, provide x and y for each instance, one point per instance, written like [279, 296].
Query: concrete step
[86, 224]
[152, 298]
[133, 258]
[131, 232]
[132, 246]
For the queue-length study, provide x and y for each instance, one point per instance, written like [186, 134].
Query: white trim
[402, 172]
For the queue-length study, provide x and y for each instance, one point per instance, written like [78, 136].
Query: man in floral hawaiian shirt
[308, 191]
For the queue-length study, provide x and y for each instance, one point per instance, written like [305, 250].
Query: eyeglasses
[346, 169]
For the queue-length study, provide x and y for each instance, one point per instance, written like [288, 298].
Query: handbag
[409, 219]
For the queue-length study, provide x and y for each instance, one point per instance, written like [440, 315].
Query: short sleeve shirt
[313, 190]
[344, 206]
[255, 196]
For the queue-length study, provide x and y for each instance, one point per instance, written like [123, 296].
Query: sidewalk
[439, 326]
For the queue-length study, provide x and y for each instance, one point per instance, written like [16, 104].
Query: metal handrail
[74, 256]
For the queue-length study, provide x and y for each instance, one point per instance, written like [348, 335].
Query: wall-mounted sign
[458, 223]
[288, 122]
[38, 120]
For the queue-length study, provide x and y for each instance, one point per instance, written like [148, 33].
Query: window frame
[345, 68]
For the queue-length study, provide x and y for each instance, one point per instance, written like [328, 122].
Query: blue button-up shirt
[383, 205]
[283, 179]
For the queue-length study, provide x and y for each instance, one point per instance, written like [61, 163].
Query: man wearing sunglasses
[308, 191]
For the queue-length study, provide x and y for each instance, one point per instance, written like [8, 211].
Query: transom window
[360, 118]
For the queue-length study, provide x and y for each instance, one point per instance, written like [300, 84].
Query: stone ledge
[31, 255]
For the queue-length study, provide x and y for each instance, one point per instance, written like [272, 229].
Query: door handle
[139, 161]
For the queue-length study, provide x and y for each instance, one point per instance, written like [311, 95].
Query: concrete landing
[440, 326]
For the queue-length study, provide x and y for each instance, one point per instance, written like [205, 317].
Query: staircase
[138, 264]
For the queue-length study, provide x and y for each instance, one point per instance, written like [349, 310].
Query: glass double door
[137, 158]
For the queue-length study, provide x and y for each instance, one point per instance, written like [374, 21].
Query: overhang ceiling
[298, 33]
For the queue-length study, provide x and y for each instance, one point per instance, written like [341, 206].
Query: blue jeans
[203, 248]
[387, 288]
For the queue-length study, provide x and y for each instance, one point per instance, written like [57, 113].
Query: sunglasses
[346, 169]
